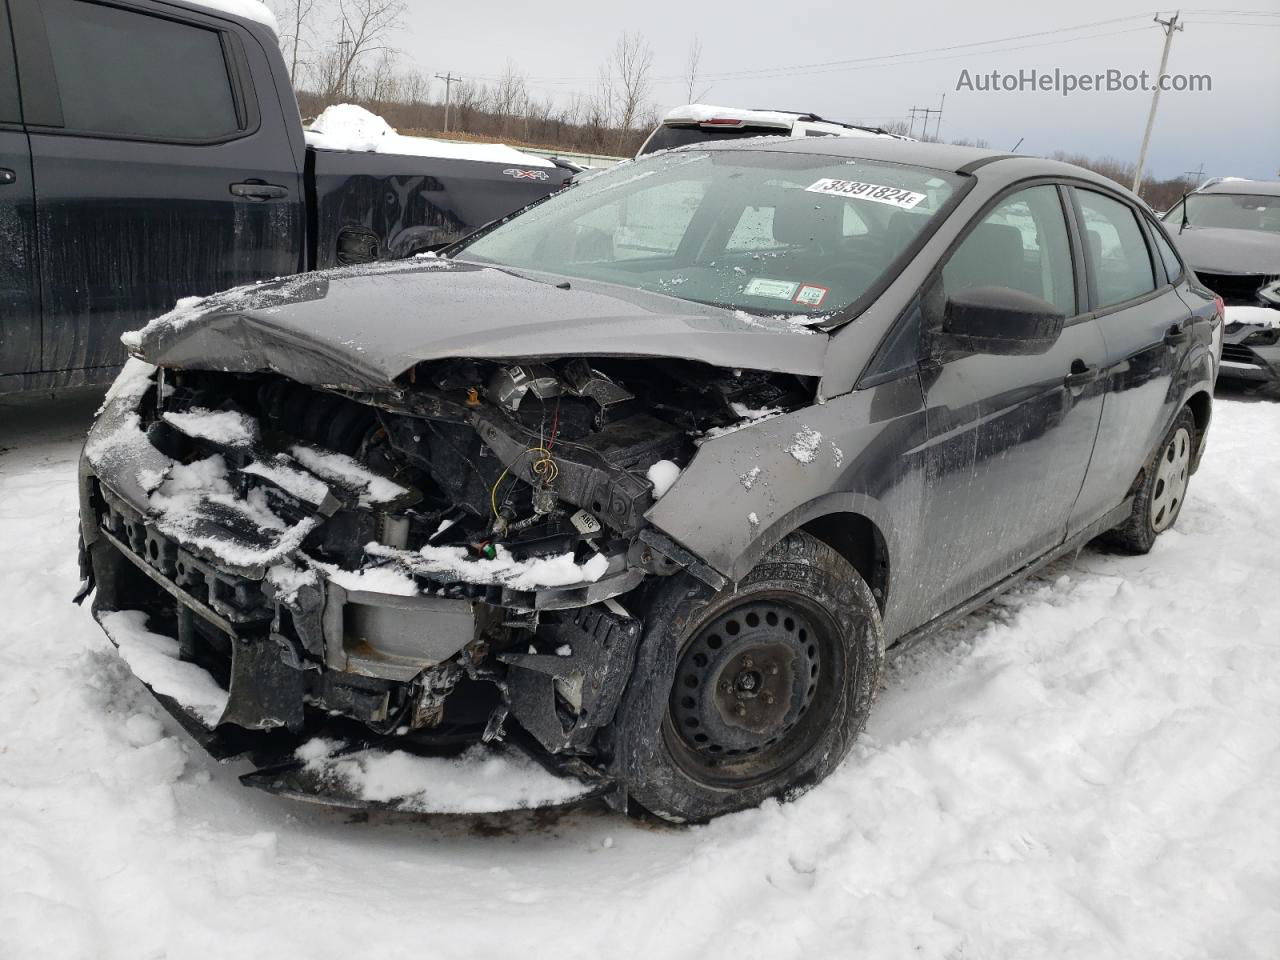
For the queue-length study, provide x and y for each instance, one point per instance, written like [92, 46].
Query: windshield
[1233, 211]
[767, 232]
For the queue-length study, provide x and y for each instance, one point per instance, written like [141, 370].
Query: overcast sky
[1232, 130]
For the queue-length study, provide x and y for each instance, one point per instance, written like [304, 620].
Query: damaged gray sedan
[633, 488]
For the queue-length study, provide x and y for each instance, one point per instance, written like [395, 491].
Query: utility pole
[1169, 26]
[926, 112]
[1197, 173]
[449, 80]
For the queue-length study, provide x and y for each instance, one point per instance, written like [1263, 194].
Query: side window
[651, 223]
[129, 74]
[9, 109]
[753, 231]
[646, 224]
[1116, 249]
[1021, 244]
[1172, 265]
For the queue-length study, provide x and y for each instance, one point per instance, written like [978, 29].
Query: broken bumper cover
[1251, 351]
[258, 653]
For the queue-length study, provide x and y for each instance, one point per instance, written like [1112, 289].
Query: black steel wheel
[752, 692]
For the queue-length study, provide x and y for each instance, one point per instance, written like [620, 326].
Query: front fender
[744, 491]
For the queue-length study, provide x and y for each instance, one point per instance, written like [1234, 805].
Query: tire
[1163, 489]
[749, 693]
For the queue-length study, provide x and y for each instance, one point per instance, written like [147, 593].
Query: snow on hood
[1223, 250]
[346, 126]
[362, 328]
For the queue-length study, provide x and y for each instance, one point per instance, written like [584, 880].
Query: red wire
[555, 426]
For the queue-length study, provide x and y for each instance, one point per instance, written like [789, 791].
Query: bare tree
[628, 83]
[384, 80]
[363, 28]
[294, 17]
[691, 65]
[509, 96]
[471, 98]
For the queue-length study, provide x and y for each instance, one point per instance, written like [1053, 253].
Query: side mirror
[1001, 321]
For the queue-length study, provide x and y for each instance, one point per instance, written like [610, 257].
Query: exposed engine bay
[454, 561]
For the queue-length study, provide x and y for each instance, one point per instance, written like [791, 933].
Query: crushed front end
[316, 577]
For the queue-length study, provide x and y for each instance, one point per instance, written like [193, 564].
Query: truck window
[9, 112]
[128, 74]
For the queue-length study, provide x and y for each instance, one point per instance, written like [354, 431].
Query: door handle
[1175, 336]
[258, 191]
[7, 177]
[1081, 374]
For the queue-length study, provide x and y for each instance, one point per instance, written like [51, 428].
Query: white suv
[700, 122]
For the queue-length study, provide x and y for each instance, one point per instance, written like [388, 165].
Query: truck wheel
[753, 692]
[1163, 490]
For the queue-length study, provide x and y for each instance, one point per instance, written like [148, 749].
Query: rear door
[1010, 436]
[157, 173]
[1147, 329]
[19, 288]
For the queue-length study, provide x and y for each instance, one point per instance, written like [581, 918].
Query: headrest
[991, 256]
[802, 218]
[1095, 244]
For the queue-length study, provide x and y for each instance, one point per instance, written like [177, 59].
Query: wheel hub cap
[1171, 480]
[745, 679]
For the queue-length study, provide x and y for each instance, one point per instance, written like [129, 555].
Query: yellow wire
[545, 467]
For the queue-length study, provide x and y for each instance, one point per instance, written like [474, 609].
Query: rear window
[666, 137]
[1116, 250]
[133, 75]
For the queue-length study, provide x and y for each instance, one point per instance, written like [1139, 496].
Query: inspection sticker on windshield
[812, 295]
[894, 196]
[774, 289]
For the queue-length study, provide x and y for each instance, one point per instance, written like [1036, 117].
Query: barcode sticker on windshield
[894, 196]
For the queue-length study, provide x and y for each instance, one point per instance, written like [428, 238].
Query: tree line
[340, 51]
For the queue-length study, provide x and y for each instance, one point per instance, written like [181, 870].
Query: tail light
[1221, 308]
[722, 122]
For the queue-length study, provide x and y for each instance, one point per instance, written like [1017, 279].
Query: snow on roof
[346, 126]
[1239, 185]
[781, 119]
[702, 112]
[254, 10]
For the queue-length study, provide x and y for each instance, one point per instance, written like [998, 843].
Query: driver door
[1010, 436]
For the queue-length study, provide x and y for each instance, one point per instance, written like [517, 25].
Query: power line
[828, 64]
[1239, 13]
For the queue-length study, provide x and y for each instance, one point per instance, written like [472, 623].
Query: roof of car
[1238, 186]
[939, 156]
[936, 156]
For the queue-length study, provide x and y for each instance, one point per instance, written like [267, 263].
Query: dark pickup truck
[154, 150]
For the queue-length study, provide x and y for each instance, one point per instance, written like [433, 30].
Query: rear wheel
[1163, 490]
[764, 687]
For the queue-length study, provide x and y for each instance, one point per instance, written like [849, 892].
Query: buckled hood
[364, 327]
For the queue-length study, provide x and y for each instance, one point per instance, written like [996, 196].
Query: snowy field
[1089, 768]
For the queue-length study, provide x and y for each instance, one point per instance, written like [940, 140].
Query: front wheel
[752, 692]
[1163, 489]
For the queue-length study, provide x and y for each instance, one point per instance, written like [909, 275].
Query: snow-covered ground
[1089, 768]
